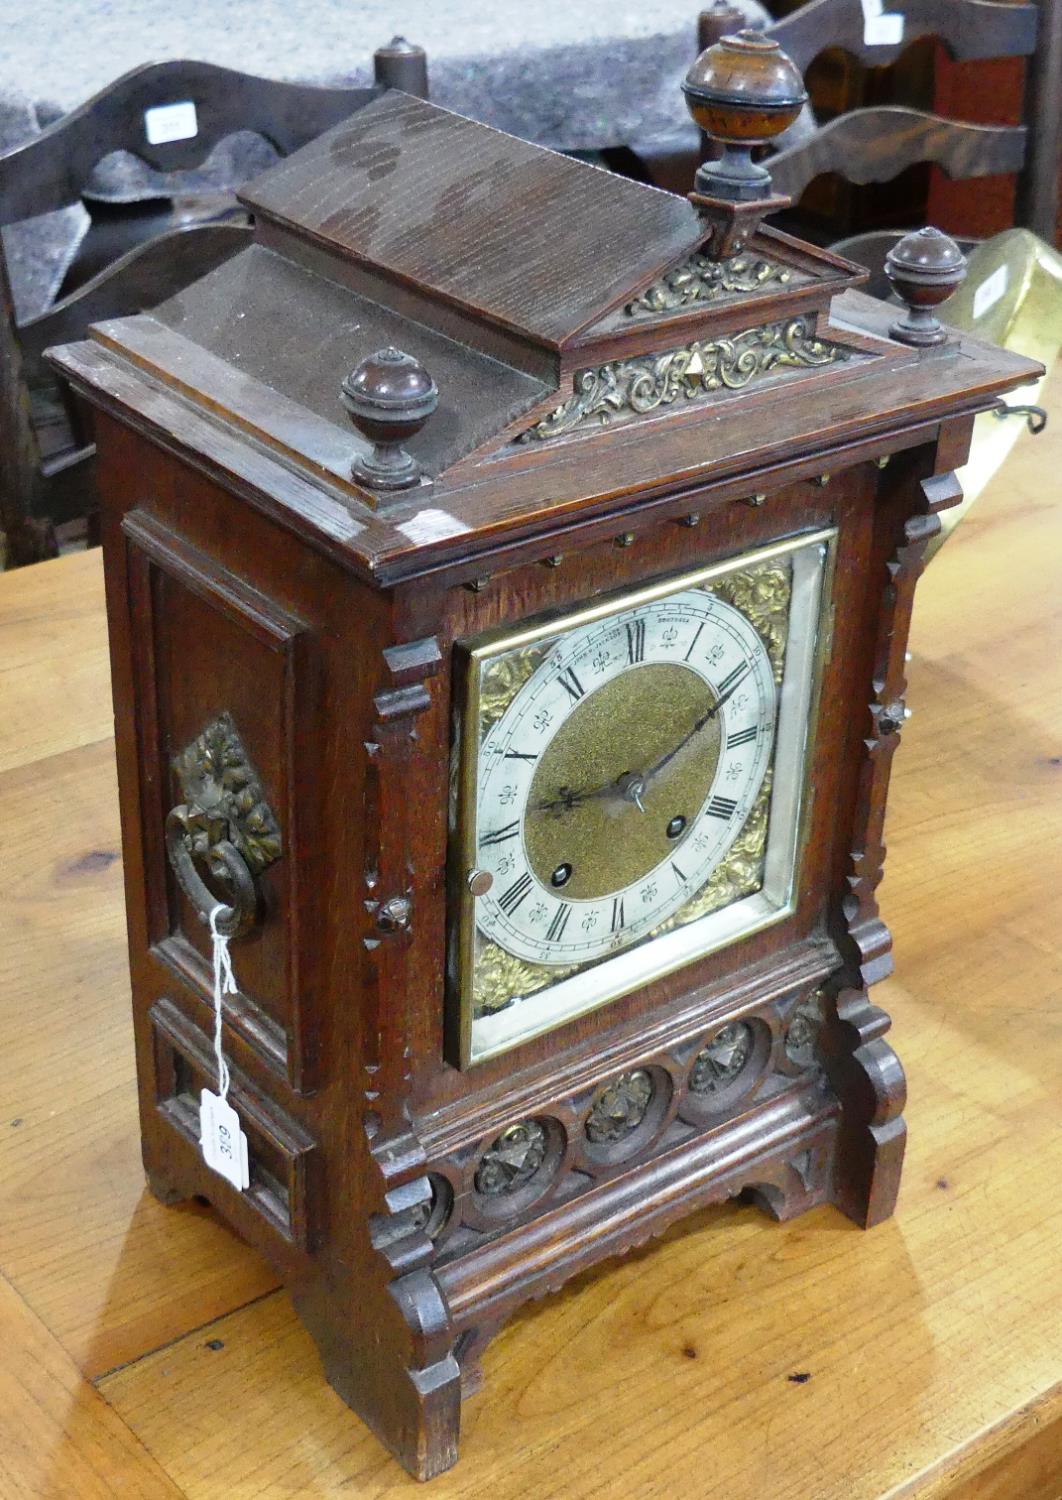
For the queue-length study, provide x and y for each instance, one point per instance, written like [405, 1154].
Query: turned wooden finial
[742, 92]
[388, 398]
[924, 268]
[402, 65]
[719, 20]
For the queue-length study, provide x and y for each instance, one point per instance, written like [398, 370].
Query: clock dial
[619, 776]
[631, 785]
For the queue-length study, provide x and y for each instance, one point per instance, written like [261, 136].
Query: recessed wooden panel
[214, 645]
[277, 1146]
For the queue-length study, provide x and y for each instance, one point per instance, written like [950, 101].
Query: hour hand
[566, 798]
[630, 787]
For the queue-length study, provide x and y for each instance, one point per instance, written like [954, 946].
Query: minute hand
[705, 718]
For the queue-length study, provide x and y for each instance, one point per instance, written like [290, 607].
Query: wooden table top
[148, 1353]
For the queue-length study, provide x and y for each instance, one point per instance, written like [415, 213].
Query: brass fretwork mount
[742, 92]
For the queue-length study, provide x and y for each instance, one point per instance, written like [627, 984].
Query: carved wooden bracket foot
[167, 1193]
[870, 1080]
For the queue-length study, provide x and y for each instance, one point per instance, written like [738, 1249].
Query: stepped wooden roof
[531, 240]
[540, 293]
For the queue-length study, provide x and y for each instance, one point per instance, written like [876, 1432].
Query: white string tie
[224, 984]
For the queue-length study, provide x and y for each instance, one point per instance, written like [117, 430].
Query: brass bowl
[1012, 296]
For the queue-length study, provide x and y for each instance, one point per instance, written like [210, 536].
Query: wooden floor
[145, 1352]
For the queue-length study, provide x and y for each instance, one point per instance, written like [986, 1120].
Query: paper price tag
[171, 122]
[883, 31]
[879, 29]
[223, 1142]
[990, 291]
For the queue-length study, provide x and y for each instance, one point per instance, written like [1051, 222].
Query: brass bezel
[461, 920]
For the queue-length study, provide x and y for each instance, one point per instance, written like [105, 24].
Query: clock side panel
[242, 670]
[218, 617]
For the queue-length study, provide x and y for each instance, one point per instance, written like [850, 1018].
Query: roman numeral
[511, 898]
[571, 684]
[555, 930]
[721, 807]
[693, 643]
[499, 835]
[742, 736]
[520, 755]
[731, 680]
[678, 873]
[617, 913]
[635, 641]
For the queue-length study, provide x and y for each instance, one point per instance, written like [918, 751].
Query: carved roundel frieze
[433, 1216]
[800, 1041]
[725, 1057]
[625, 1114]
[512, 1159]
[728, 1066]
[619, 1108]
[517, 1168]
[802, 1035]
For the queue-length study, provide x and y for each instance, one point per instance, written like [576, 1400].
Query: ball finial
[742, 92]
[388, 398]
[924, 268]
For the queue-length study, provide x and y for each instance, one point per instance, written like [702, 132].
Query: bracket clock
[509, 569]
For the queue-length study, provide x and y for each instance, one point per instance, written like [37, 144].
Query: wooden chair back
[875, 144]
[171, 115]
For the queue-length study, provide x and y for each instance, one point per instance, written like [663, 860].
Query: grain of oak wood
[53, 640]
[673, 1368]
[109, 1270]
[60, 1438]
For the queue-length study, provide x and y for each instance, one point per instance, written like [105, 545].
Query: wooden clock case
[279, 627]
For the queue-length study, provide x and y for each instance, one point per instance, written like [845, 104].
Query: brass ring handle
[225, 863]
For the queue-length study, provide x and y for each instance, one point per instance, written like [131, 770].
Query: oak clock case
[473, 439]
[630, 784]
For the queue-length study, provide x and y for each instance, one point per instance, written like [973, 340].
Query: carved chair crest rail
[170, 116]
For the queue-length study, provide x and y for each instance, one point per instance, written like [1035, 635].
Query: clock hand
[704, 719]
[632, 784]
[629, 787]
[569, 799]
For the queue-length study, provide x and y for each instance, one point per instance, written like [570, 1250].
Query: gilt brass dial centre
[608, 749]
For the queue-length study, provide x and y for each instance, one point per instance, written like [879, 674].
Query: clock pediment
[702, 289]
[519, 251]
[559, 310]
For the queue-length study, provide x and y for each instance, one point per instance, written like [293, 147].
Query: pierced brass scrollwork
[645, 383]
[224, 825]
[702, 279]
